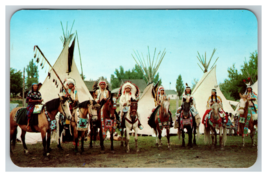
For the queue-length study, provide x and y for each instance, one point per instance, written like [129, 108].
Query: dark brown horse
[244, 114]
[162, 120]
[186, 121]
[57, 105]
[107, 119]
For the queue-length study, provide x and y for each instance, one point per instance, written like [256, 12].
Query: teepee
[202, 91]
[255, 87]
[65, 67]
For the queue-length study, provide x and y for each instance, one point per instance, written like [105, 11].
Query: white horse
[215, 119]
[131, 123]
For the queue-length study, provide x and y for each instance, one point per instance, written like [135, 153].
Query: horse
[215, 122]
[95, 123]
[246, 120]
[50, 108]
[80, 113]
[186, 120]
[107, 119]
[162, 120]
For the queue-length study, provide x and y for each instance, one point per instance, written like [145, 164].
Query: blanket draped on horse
[186, 121]
[107, 124]
[246, 121]
[210, 120]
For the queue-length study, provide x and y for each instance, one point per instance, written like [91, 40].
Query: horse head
[242, 104]
[64, 107]
[186, 106]
[133, 108]
[111, 106]
[165, 106]
[215, 110]
[93, 110]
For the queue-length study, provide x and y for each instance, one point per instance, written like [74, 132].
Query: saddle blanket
[21, 117]
[82, 123]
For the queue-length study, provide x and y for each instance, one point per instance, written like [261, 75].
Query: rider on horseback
[70, 86]
[214, 98]
[162, 96]
[102, 93]
[33, 97]
[252, 98]
[125, 101]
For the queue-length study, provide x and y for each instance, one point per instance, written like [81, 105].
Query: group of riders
[128, 93]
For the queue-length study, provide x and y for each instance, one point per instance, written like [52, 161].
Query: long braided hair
[215, 97]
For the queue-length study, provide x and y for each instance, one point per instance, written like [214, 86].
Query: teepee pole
[79, 54]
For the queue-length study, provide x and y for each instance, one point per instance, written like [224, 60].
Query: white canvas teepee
[49, 90]
[255, 87]
[145, 105]
[202, 91]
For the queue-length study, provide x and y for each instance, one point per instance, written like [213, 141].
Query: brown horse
[107, 119]
[214, 123]
[56, 105]
[163, 121]
[81, 112]
[245, 113]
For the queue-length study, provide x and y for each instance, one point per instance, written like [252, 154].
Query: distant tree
[135, 73]
[32, 74]
[179, 86]
[233, 85]
[16, 81]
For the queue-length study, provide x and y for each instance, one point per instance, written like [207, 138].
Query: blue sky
[107, 39]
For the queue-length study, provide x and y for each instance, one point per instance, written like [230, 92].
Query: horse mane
[84, 104]
[246, 110]
[52, 104]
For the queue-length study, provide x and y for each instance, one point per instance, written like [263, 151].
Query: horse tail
[179, 133]
[14, 137]
[207, 135]
[197, 126]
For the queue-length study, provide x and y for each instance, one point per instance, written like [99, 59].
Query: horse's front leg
[189, 132]
[48, 141]
[213, 132]
[194, 133]
[111, 140]
[127, 139]
[59, 136]
[221, 138]
[168, 138]
[252, 135]
[122, 137]
[82, 140]
[91, 133]
[22, 136]
[43, 134]
[101, 139]
[159, 131]
[136, 137]
[183, 136]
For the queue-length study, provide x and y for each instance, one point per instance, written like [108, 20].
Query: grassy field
[201, 156]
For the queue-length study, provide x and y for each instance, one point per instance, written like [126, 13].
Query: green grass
[234, 156]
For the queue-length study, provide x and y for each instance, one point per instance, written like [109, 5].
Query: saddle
[21, 118]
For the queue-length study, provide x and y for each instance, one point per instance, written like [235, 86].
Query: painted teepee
[65, 67]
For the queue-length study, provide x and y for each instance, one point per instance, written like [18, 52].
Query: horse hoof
[26, 152]
[157, 144]
[127, 151]
[48, 154]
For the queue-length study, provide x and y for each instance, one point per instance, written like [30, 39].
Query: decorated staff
[39, 54]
